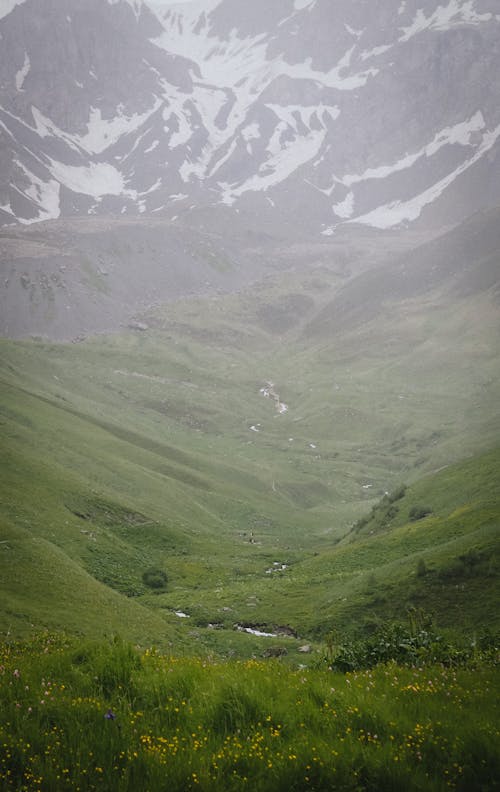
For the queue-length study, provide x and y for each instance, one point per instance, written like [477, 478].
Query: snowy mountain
[331, 112]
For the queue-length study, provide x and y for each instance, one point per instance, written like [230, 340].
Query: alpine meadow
[249, 395]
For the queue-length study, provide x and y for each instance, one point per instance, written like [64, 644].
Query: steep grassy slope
[433, 545]
[169, 448]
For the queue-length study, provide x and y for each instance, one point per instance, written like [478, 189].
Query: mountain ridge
[382, 115]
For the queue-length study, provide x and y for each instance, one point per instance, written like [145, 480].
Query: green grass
[88, 715]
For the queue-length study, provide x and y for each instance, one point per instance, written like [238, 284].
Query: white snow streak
[44, 127]
[224, 158]
[308, 115]
[286, 156]
[345, 208]
[352, 32]
[333, 78]
[101, 133]
[283, 160]
[299, 5]
[251, 132]
[45, 196]
[373, 53]
[183, 132]
[96, 179]
[152, 147]
[156, 186]
[397, 212]
[22, 73]
[444, 17]
[459, 134]
[6, 6]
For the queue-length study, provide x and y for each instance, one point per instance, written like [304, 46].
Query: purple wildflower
[110, 715]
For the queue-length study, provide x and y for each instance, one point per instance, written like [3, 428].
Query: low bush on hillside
[415, 644]
[104, 716]
[470, 564]
[155, 578]
[418, 512]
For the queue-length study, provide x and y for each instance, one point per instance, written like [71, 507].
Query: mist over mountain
[384, 114]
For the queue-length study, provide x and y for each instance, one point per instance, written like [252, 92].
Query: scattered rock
[306, 649]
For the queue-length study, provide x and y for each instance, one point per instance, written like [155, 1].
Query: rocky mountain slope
[329, 113]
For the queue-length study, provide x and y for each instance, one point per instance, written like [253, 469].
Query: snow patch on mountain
[310, 116]
[44, 196]
[345, 208]
[285, 155]
[44, 127]
[225, 157]
[241, 67]
[352, 31]
[183, 110]
[299, 5]
[331, 79]
[183, 132]
[375, 52]
[152, 147]
[6, 6]
[457, 12]
[23, 73]
[96, 179]
[251, 132]
[397, 212]
[103, 133]
[459, 134]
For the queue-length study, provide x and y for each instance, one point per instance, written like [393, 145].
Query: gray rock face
[329, 112]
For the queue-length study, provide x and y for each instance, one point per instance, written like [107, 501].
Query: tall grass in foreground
[103, 716]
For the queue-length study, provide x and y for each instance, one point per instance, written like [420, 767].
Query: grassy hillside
[260, 490]
[160, 449]
[233, 446]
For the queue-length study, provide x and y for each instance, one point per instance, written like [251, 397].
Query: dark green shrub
[421, 568]
[415, 644]
[154, 578]
[418, 512]
[471, 559]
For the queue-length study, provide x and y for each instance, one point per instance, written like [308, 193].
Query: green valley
[287, 483]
